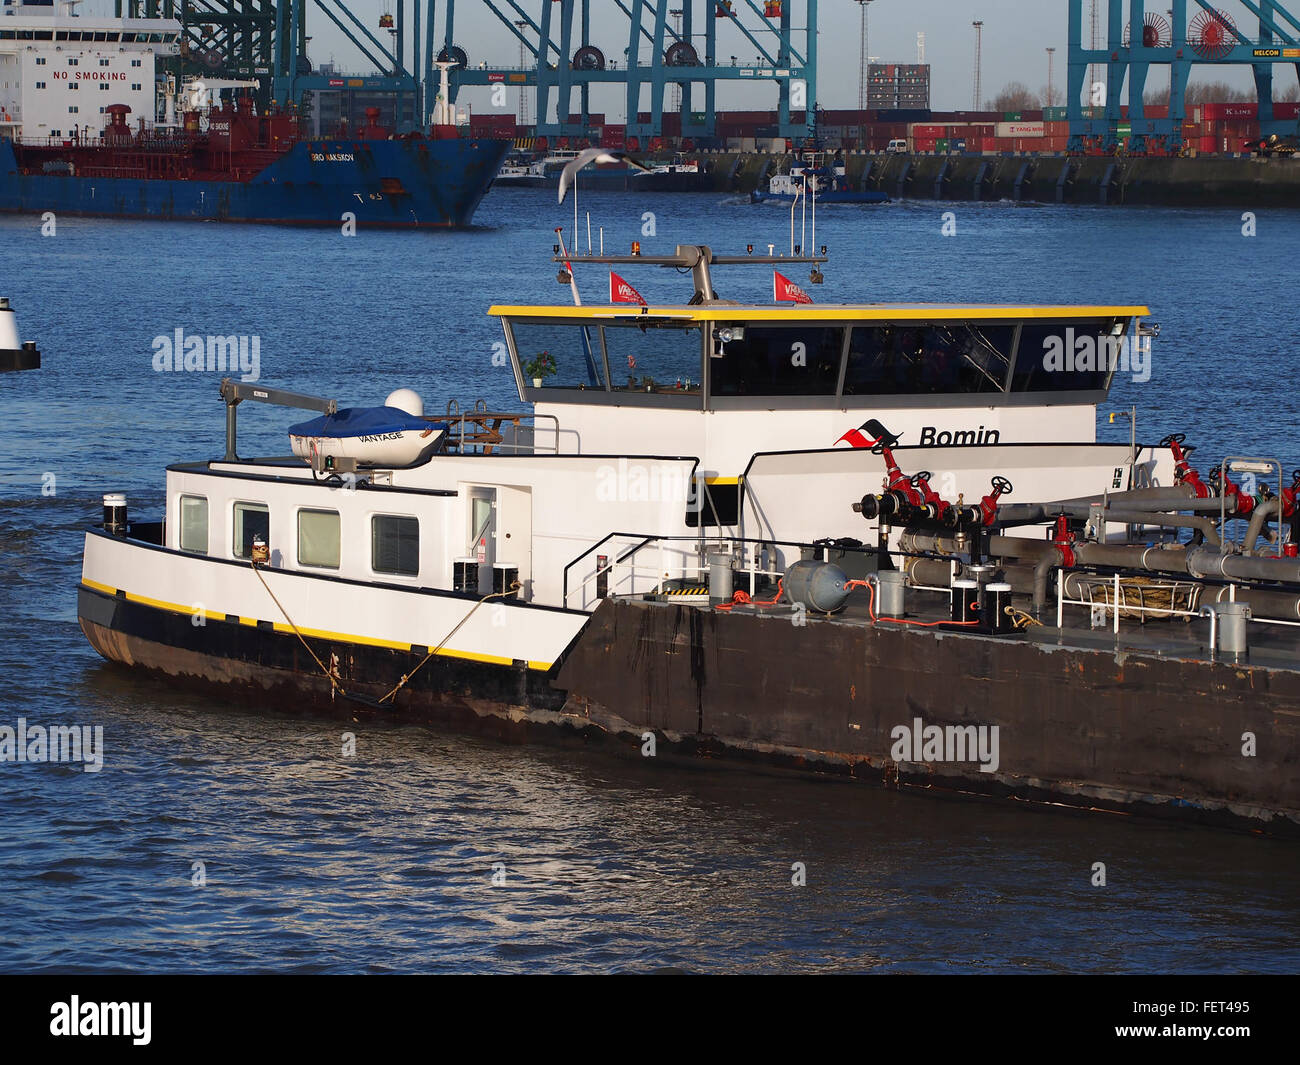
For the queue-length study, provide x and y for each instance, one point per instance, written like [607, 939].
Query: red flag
[785, 290]
[857, 437]
[621, 292]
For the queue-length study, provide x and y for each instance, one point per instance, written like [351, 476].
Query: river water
[229, 838]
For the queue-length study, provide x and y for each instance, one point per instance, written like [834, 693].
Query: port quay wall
[1193, 181]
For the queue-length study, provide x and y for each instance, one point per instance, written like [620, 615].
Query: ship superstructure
[60, 70]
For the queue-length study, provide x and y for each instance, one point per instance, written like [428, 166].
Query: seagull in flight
[569, 174]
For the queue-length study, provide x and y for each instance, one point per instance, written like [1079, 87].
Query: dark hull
[824, 198]
[674, 182]
[1087, 730]
[389, 184]
[1080, 726]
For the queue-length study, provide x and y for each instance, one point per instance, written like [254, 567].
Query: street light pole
[864, 63]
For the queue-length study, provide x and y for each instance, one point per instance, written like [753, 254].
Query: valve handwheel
[1002, 486]
[1172, 438]
[917, 478]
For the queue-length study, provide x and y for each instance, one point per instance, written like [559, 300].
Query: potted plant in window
[540, 366]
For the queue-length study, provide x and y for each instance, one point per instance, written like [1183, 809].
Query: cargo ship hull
[381, 183]
[1082, 723]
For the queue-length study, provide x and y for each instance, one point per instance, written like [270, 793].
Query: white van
[896, 147]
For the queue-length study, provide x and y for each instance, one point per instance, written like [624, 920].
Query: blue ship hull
[388, 183]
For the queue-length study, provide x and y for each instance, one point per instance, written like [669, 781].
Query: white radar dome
[406, 399]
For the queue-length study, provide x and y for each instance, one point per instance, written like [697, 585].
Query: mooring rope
[329, 675]
[514, 587]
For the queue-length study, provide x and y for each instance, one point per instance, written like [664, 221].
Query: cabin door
[482, 534]
[501, 536]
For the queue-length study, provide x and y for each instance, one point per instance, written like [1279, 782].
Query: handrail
[457, 420]
[646, 539]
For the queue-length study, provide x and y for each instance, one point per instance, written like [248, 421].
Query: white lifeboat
[393, 436]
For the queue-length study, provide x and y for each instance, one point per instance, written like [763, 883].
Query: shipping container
[1019, 129]
[1216, 112]
[919, 129]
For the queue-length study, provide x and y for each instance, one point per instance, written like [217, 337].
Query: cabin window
[318, 538]
[573, 351]
[395, 544]
[642, 356]
[775, 360]
[654, 358]
[251, 519]
[1069, 356]
[924, 359]
[194, 524]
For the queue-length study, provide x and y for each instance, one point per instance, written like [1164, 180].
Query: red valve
[897, 481]
[1289, 495]
[938, 506]
[1064, 541]
[1245, 503]
[989, 504]
[1183, 472]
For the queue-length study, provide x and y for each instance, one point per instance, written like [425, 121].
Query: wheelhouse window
[251, 520]
[928, 358]
[641, 354]
[654, 357]
[318, 538]
[755, 360]
[395, 544]
[194, 524]
[1065, 356]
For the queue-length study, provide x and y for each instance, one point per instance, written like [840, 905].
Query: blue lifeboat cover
[362, 421]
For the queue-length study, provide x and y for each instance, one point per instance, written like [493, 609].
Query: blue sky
[1015, 38]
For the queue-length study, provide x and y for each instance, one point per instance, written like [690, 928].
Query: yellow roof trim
[829, 312]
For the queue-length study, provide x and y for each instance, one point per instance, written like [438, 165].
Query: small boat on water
[544, 173]
[684, 173]
[814, 177]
